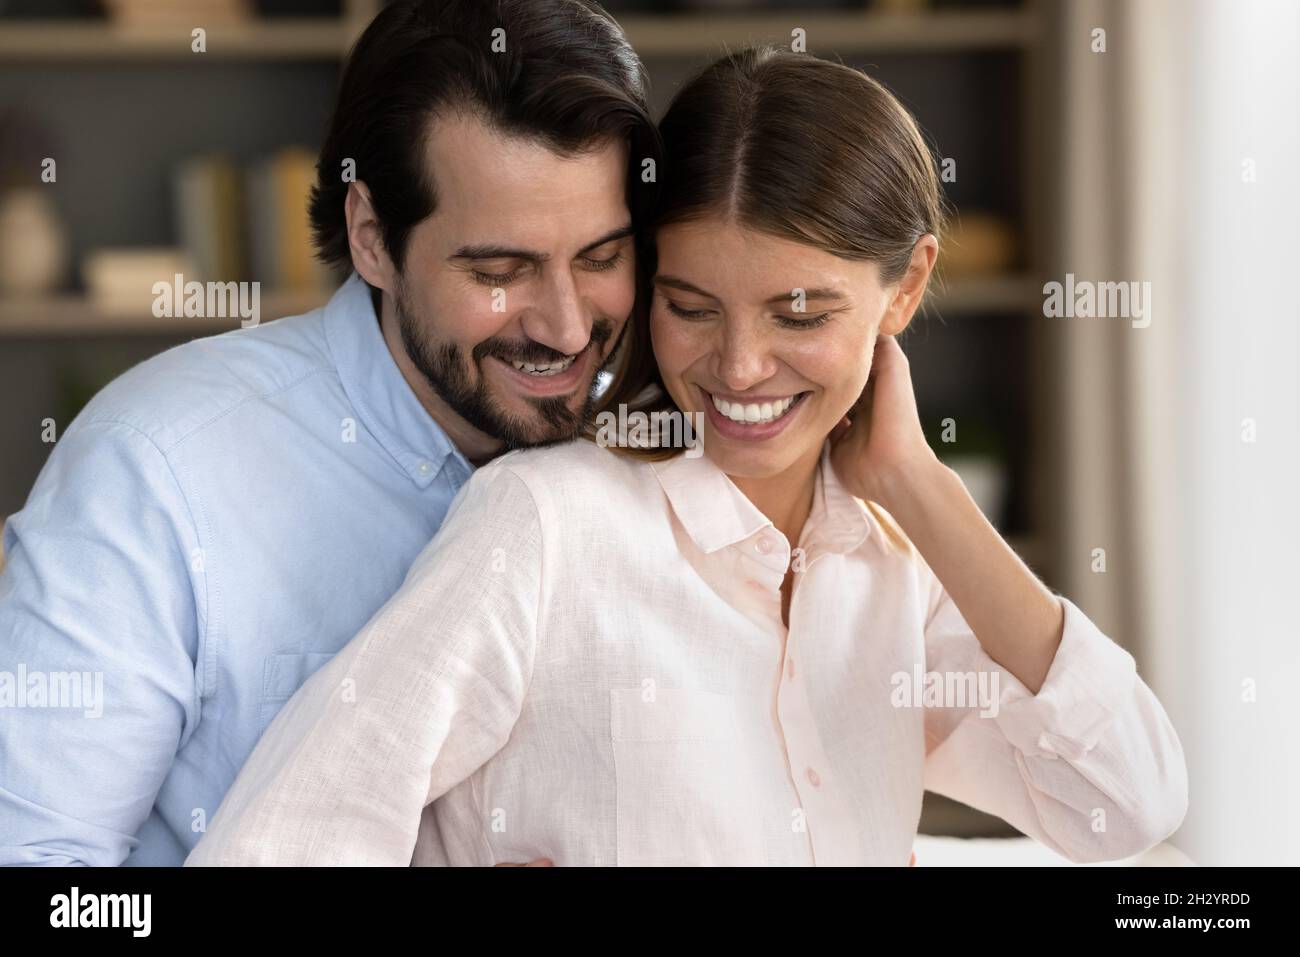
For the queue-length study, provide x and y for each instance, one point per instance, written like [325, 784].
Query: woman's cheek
[670, 340]
[838, 368]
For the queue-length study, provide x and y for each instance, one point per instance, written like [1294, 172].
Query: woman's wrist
[909, 488]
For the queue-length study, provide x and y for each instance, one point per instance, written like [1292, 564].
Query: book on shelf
[249, 222]
[209, 221]
[282, 253]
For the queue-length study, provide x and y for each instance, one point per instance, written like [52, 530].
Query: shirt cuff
[1090, 681]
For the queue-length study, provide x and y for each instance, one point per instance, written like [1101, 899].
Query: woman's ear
[910, 290]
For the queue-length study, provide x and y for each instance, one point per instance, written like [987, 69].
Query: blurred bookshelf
[125, 106]
[652, 35]
[317, 38]
[73, 315]
[60, 316]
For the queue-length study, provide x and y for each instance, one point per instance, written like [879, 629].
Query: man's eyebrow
[493, 251]
[490, 251]
[609, 237]
[818, 294]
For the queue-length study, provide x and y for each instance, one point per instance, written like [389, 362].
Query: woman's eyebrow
[818, 294]
[674, 282]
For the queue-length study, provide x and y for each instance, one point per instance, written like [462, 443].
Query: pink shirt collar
[716, 514]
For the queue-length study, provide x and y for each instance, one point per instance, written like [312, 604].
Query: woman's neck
[785, 498]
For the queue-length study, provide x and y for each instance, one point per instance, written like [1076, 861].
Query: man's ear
[911, 288]
[369, 256]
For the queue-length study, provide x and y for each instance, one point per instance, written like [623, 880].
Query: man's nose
[559, 319]
[743, 358]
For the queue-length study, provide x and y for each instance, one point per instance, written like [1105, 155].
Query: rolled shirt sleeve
[1090, 765]
[98, 595]
[421, 698]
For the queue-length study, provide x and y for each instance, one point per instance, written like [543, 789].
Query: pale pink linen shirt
[588, 663]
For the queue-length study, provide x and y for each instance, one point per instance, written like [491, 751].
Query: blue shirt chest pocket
[282, 675]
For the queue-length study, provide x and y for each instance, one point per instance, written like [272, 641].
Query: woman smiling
[635, 656]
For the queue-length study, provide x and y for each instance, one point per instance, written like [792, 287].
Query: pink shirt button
[814, 778]
[765, 545]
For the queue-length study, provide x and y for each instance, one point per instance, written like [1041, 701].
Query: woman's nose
[743, 358]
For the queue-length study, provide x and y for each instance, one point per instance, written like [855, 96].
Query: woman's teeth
[753, 413]
[551, 368]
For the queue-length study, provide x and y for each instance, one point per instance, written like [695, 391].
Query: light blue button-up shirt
[213, 527]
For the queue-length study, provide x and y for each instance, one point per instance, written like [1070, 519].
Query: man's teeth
[753, 413]
[550, 368]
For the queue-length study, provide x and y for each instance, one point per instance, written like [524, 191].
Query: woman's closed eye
[804, 321]
[789, 322]
[686, 313]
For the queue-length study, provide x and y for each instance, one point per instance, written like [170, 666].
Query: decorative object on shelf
[979, 244]
[33, 240]
[121, 281]
[33, 243]
[169, 13]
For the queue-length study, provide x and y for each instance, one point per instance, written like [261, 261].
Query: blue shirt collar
[387, 406]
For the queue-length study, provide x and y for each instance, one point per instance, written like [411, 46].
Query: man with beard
[223, 518]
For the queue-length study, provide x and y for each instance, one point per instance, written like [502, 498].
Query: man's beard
[444, 368]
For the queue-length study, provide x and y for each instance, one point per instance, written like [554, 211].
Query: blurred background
[1146, 467]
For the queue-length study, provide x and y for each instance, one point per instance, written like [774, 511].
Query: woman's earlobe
[897, 317]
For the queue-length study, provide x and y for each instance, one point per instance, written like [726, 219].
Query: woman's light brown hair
[797, 147]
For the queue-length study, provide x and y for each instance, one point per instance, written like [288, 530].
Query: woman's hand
[880, 444]
[881, 454]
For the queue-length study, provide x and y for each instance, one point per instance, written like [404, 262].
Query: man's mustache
[526, 350]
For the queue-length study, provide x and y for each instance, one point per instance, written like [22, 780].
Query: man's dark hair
[567, 77]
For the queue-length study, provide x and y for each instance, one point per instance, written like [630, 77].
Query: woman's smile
[751, 418]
